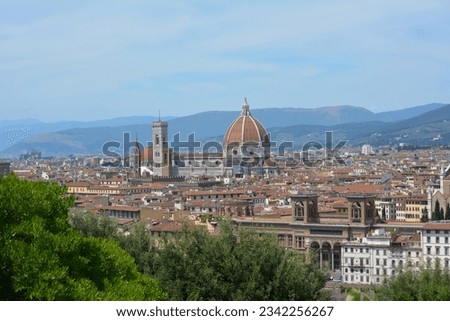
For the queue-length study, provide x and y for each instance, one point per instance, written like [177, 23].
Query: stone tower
[305, 208]
[361, 209]
[161, 152]
[136, 159]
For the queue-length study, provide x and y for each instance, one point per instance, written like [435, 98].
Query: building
[441, 195]
[5, 168]
[162, 160]
[307, 229]
[366, 149]
[246, 143]
[435, 243]
[379, 255]
[245, 151]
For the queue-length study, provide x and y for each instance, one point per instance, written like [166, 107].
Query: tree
[44, 258]
[424, 217]
[236, 266]
[383, 214]
[447, 212]
[137, 241]
[90, 224]
[437, 211]
[427, 284]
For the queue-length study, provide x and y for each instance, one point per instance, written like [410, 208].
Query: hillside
[356, 124]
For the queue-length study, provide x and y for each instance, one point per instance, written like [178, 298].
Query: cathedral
[245, 151]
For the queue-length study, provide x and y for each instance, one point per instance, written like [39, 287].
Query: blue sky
[83, 60]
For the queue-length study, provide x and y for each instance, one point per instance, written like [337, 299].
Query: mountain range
[420, 125]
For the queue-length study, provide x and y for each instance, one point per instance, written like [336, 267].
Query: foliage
[194, 265]
[44, 258]
[93, 225]
[427, 284]
[438, 212]
[235, 267]
[424, 217]
[447, 212]
[136, 241]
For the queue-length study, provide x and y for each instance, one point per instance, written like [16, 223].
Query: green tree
[437, 212]
[90, 224]
[231, 266]
[427, 284]
[424, 217]
[44, 258]
[136, 241]
[447, 212]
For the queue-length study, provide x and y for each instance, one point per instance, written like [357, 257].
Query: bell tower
[161, 152]
[305, 208]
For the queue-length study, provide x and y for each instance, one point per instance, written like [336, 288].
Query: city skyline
[87, 61]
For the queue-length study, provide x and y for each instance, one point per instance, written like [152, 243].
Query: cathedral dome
[245, 129]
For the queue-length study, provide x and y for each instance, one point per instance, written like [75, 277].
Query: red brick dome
[245, 128]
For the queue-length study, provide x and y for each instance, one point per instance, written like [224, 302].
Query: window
[367, 250]
[361, 250]
[378, 252]
[378, 262]
[428, 239]
[351, 249]
[446, 250]
[345, 250]
[437, 239]
[385, 262]
[428, 250]
[377, 272]
[438, 250]
[367, 261]
[446, 239]
[384, 252]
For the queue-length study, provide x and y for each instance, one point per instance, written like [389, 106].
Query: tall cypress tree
[447, 212]
[437, 211]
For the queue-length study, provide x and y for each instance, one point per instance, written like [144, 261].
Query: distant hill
[356, 124]
[16, 131]
[430, 128]
[402, 114]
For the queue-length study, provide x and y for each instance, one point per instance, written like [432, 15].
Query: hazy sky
[81, 60]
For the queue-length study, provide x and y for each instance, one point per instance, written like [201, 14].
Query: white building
[435, 243]
[379, 255]
[366, 149]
